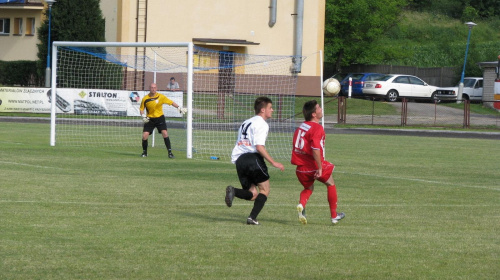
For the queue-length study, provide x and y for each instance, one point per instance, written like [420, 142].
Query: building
[491, 91]
[270, 27]
[265, 27]
[19, 21]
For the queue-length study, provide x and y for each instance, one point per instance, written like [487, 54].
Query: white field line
[29, 165]
[492, 188]
[243, 204]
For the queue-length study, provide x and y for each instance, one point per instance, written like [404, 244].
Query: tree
[71, 21]
[352, 25]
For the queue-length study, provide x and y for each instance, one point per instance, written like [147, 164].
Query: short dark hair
[308, 109]
[261, 102]
[172, 78]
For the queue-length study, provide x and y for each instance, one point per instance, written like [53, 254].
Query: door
[403, 86]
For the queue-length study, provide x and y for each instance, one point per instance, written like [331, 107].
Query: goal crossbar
[96, 89]
[188, 45]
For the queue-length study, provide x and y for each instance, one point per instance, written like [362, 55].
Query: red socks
[304, 196]
[332, 199]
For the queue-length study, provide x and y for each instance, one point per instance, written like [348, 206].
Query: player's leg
[146, 131]
[166, 139]
[244, 192]
[162, 128]
[259, 202]
[306, 179]
[327, 179]
[260, 177]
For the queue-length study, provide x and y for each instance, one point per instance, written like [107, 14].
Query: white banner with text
[81, 101]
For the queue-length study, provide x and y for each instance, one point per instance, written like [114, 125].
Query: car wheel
[434, 98]
[392, 95]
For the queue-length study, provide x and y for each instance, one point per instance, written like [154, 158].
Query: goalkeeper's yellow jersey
[154, 105]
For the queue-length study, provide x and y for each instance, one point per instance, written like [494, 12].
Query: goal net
[97, 88]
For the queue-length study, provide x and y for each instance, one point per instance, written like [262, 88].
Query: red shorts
[306, 175]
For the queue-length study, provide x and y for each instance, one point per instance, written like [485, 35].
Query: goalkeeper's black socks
[167, 143]
[243, 194]
[145, 146]
[258, 204]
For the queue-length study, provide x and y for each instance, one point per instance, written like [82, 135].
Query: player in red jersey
[307, 155]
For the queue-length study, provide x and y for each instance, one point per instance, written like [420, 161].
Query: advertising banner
[24, 100]
[81, 101]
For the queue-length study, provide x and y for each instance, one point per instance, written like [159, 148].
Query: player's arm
[316, 153]
[263, 152]
[179, 108]
[145, 118]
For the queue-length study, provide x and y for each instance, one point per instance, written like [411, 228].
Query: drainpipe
[299, 19]
[272, 13]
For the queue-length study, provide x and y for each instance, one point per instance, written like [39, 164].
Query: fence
[419, 114]
[436, 76]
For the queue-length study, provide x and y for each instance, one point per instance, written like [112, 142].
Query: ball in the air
[331, 87]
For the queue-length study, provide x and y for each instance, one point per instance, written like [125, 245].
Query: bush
[19, 73]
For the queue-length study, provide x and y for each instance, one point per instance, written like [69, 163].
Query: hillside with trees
[412, 33]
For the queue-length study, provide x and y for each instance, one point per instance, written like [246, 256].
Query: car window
[416, 81]
[346, 78]
[479, 84]
[375, 77]
[385, 78]
[469, 82]
[401, 80]
[357, 76]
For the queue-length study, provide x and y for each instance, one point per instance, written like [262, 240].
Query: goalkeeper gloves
[182, 110]
[145, 119]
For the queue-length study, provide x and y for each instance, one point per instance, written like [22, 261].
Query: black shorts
[251, 169]
[159, 123]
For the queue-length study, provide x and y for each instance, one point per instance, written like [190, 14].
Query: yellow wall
[20, 47]
[111, 16]
[181, 21]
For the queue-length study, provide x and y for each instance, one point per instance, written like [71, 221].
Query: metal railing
[422, 114]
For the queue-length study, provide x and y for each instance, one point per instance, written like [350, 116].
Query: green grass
[475, 108]
[417, 208]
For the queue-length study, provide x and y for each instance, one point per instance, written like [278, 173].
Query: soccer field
[416, 208]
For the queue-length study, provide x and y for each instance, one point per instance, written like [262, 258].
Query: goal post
[97, 87]
[135, 66]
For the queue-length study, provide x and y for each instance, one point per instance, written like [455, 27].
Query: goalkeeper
[154, 118]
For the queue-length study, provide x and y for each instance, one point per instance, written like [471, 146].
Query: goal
[97, 88]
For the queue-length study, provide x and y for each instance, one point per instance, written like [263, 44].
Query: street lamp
[47, 70]
[470, 24]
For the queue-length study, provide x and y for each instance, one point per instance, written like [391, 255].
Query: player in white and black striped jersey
[248, 154]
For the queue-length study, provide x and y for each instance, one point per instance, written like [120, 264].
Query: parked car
[473, 90]
[358, 81]
[392, 87]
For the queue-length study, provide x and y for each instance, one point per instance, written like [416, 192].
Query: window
[402, 80]
[4, 25]
[30, 26]
[18, 26]
[416, 81]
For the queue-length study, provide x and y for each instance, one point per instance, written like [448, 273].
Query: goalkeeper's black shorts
[158, 123]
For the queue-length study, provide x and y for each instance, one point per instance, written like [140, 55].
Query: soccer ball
[331, 87]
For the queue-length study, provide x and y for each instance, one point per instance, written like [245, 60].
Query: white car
[392, 87]
[473, 90]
